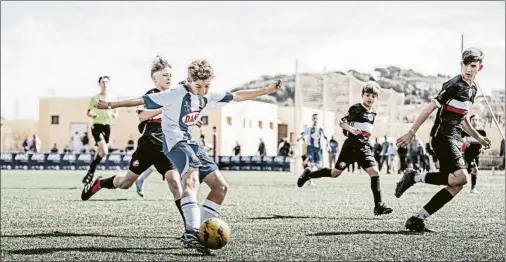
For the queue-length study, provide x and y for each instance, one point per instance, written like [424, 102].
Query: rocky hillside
[417, 88]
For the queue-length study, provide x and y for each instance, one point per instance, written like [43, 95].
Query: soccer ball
[214, 233]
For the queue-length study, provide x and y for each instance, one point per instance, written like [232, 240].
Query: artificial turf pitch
[43, 218]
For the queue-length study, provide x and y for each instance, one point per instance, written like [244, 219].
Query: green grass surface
[43, 218]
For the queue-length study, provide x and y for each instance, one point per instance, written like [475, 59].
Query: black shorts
[449, 153]
[304, 157]
[100, 132]
[354, 151]
[142, 159]
[472, 159]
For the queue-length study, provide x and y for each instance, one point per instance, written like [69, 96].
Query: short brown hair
[471, 55]
[371, 87]
[200, 70]
[158, 64]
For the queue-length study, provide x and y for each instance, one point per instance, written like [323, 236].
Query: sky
[60, 48]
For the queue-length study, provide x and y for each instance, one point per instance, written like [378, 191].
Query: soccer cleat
[90, 189]
[415, 224]
[190, 239]
[381, 209]
[304, 177]
[407, 180]
[474, 191]
[87, 178]
[139, 187]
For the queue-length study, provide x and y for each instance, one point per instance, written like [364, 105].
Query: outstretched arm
[404, 140]
[102, 104]
[243, 95]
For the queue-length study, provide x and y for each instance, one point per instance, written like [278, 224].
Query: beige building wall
[73, 111]
[245, 122]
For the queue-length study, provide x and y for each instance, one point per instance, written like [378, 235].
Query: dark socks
[107, 182]
[438, 201]
[436, 178]
[324, 172]
[95, 163]
[178, 205]
[473, 181]
[376, 191]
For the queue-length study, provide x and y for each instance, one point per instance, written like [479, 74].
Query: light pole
[215, 157]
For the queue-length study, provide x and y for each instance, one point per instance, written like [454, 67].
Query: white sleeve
[219, 99]
[164, 98]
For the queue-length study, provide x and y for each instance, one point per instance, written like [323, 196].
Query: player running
[472, 151]
[101, 128]
[149, 150]
[182, 106]
[357, 125]
[454, 100]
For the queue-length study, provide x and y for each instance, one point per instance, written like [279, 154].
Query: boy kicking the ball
[454, 100]
[182, 106]
[357, 125]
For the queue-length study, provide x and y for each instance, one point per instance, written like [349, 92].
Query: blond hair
[159, 63]
[371, 87]
[200, 70]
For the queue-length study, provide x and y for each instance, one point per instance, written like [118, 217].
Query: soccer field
[43, 218]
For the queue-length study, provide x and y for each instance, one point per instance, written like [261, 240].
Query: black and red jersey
[361, 118]
[454, 101]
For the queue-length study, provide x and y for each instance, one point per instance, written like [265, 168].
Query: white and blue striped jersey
[313, 135]
[181, 109]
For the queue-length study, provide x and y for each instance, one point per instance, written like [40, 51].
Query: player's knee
[191, 181]
[173, 183]
[222, 188]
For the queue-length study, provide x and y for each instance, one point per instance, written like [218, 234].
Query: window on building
[55, 120]
[271, 125]
[260, 124]
[250, 123]
[229, 120]
[244, 123]
[205, 120]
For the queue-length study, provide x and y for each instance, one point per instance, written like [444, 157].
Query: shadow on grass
[311, 217]
[41, 251]
[41, 188]
[364, 232]
[100, 200]
[66, 234]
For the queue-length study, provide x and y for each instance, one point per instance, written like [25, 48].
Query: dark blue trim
[227, 98]
[150, 104]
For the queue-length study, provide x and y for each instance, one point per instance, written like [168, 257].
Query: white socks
[420, 177]
[422, 214]
[209, 210]
[191, 212]
[145, 175]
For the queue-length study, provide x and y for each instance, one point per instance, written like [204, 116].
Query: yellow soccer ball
[214, 233]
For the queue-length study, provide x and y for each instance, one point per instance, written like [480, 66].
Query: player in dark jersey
[453, 101]
[357, 125]
[472, 151]
[149, 146]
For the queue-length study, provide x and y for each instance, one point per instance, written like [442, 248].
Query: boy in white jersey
[182, 106]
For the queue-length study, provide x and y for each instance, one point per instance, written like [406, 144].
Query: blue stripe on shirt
[227, 98]
[150, 104]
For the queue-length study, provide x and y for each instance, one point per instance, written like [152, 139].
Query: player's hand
[101, 104]
[199, 123]
[485, 141]
[404, 140]
[355, 131]
[276, 85]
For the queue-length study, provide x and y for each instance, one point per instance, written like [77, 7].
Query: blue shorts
[314, 154]
[185, 155]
